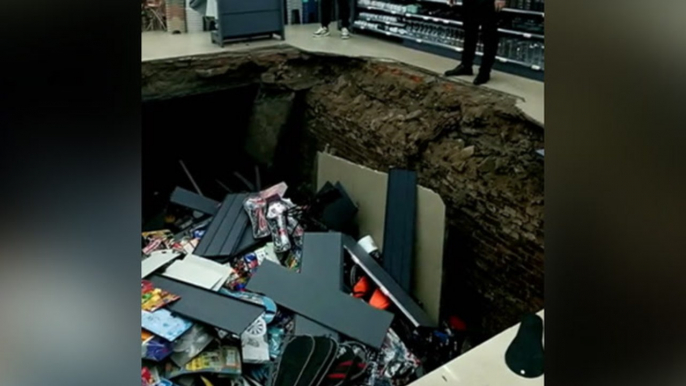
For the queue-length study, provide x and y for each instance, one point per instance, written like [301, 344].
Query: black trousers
[343, 12]
[480, 14]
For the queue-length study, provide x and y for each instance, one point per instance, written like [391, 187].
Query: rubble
[245, 318]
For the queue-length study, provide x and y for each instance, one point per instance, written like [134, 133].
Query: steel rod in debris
[190, 177]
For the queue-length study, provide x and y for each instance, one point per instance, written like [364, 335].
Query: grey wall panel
[212, 230]
[226, 230]
[399, 228]
[209, 307]
[229, 225]
[322, 262]
[183, 197]
[347, 315]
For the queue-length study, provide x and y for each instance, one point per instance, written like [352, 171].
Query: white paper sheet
[156, 260]
[224, 270]
[192, 273]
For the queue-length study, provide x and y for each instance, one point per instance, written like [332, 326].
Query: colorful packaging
[162, 323]
[394, 360]
[225, 360]
[276, 336]
[147, 378]
[153, 298]
[154, 348]
[278, 226]
[254, 344]
[156, 240]
[190, 344]
[256, 207]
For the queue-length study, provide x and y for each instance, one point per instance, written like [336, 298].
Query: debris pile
[260, 290]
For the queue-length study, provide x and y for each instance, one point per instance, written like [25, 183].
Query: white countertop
[484, 365]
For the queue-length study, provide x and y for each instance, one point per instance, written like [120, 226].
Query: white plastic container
[194, 22]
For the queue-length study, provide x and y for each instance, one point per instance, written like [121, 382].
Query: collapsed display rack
[391, 21]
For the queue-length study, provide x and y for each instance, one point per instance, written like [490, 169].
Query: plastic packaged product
[255, 347]
[190, 344]
[276, 336]
[256, 207]
[394, 360]
[147, 378]
[154, 348]
[278, 225]
[222, 361]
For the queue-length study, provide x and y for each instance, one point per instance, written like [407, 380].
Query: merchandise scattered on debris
[261, 290]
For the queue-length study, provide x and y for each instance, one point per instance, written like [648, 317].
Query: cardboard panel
[367, 188]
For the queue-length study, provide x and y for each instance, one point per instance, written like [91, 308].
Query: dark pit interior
[277, 107]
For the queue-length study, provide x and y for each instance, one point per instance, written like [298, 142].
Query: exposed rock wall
[470, 145]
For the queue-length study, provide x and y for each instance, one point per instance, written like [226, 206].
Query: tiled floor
[158, 45]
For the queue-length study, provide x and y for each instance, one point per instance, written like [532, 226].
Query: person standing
[343, 12]
[484, 14]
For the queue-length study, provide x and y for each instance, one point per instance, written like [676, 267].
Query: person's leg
[489, 36]
[471, 36]
[325, 11]
[325, 8]
[344, 13]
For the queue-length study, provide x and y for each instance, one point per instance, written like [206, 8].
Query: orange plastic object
[362, 287]
[379, 300]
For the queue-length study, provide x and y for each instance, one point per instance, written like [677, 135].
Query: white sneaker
[345, 33]
[321, 32]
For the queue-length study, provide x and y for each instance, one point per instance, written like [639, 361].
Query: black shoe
[482, 78]
[460, 70]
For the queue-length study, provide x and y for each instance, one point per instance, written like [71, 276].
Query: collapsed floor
[280, 106]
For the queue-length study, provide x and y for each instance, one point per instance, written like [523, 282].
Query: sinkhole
[222, 114]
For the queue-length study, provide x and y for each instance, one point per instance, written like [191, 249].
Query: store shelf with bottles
[524, 7]
[392, 21]
[405, 11]
[455, 42]
[439, 30]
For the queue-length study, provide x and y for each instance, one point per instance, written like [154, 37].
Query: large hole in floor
[277, 107]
